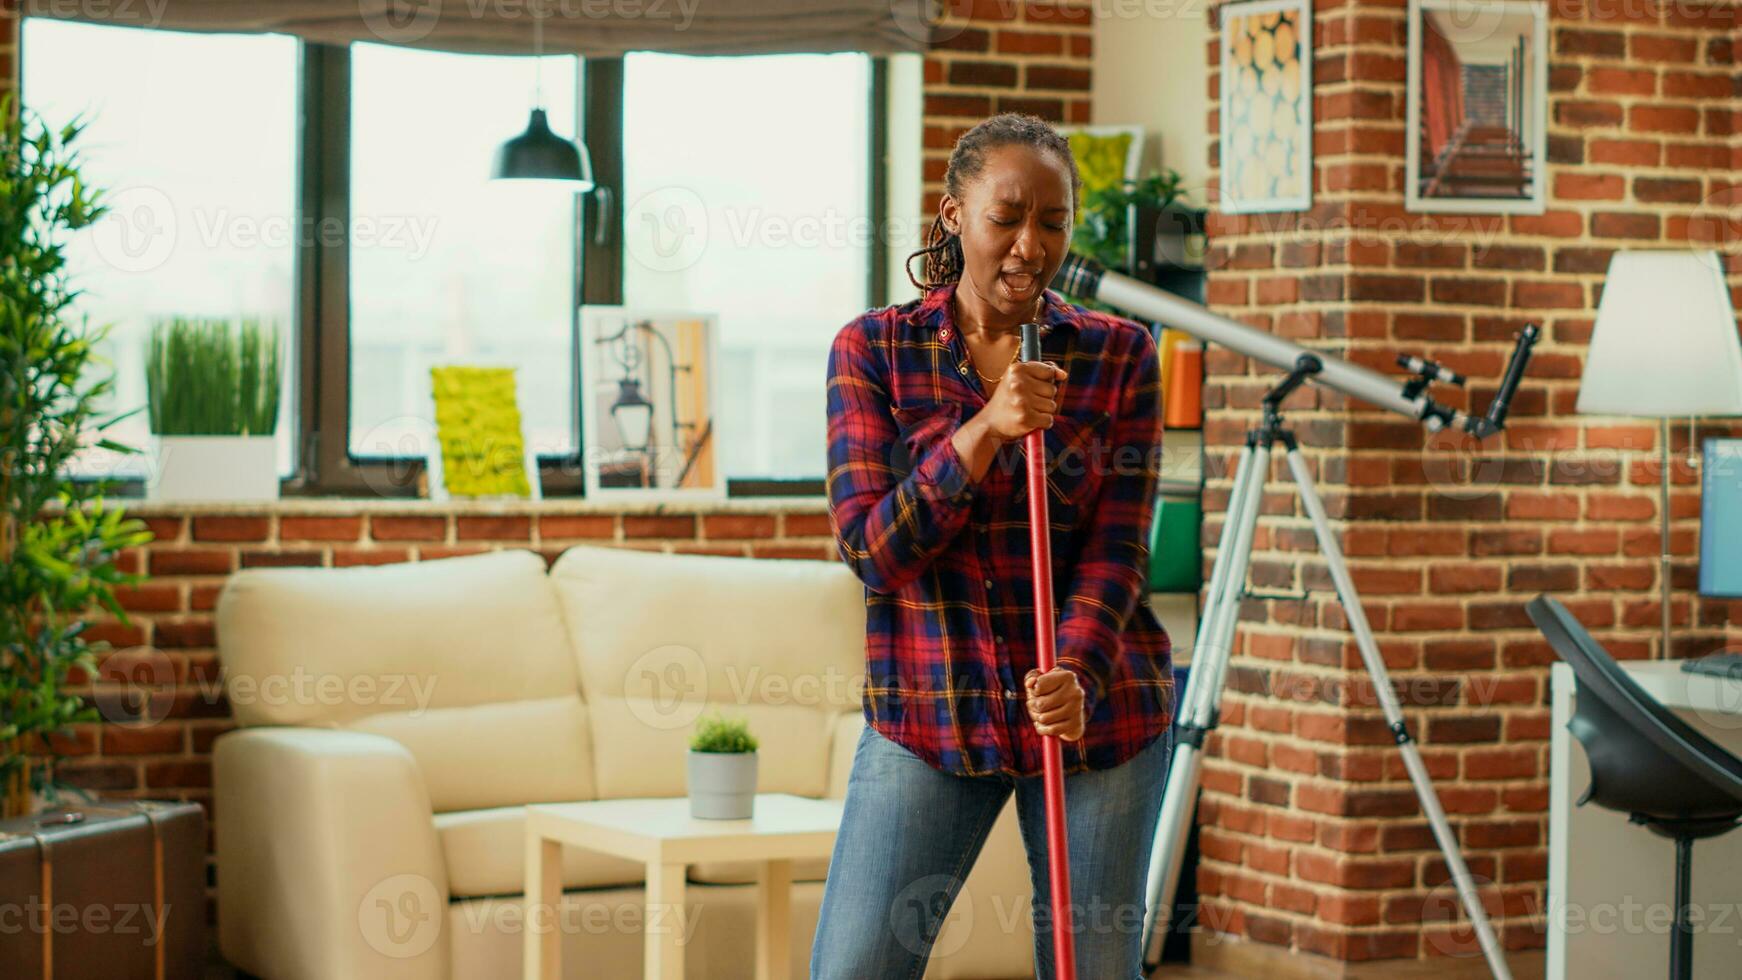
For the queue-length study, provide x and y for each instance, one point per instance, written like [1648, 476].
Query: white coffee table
[661, 835]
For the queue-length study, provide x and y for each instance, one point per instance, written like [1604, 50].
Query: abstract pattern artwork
[1266, 82]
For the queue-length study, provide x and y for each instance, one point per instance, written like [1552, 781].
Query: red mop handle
[1052, 759]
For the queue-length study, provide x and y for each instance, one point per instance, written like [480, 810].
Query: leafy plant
[206, 377]
[1105, 230]
[720, 734]
[58, 541]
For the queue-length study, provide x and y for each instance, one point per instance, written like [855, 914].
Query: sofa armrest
[329, 867]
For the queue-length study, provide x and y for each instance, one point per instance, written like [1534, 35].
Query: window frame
[321, 274]
[328, 467]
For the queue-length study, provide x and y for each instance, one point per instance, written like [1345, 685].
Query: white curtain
[590, 28]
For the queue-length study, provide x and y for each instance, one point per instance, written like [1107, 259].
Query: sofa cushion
[312, 646]
[662, 639]
[489, 755]
[486, 855]
[843, 745]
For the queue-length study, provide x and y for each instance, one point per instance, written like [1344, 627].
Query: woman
[928, 409]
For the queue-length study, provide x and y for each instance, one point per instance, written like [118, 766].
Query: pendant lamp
[538, 153]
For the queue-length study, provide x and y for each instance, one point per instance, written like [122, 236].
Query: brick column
[995, 56]
[1312, 837]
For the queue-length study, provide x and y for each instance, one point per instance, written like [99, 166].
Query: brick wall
[1312, 837]
[8, 46]
[996, 56]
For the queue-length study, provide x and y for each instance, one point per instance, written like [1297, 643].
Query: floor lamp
[1664, 346]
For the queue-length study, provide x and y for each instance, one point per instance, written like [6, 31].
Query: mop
[1052, 759]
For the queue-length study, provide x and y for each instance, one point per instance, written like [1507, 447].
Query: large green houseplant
[58, 540]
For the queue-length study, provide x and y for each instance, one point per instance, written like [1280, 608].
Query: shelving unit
[1177, 267]
[1172, 264]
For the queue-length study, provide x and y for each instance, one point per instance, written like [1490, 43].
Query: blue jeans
[910, 834]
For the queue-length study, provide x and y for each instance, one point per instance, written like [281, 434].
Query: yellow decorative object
[1100, 161]
[483, 453]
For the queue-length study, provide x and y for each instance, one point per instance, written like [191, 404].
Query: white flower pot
[722, 785]
[213, 468]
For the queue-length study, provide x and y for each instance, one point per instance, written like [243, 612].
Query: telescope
[1083, 277]
[1198, 713]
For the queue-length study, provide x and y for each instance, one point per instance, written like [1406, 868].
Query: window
[745, 194]
[446, 265]
[201, 183]
[344, 191]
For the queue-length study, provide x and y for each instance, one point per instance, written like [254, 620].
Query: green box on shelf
[1174, 559]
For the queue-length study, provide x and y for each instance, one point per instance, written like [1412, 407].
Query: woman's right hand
[1026, 399]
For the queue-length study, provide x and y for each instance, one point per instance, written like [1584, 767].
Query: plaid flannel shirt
[946, 560]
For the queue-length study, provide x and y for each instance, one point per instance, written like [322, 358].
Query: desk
[1610, 882]
[662, 835]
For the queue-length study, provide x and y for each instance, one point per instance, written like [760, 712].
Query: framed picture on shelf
[1107, 156]
[478, 449]
[1267, 106]
[1476, 126]
[649, 404]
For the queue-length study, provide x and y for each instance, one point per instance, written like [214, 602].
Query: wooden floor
[217, 969]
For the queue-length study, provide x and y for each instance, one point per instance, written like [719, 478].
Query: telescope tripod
[1199, 714]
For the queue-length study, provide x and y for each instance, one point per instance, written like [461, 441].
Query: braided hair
[943, 249]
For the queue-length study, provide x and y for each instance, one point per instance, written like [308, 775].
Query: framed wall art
[478, 451]
[1476, 134]
[1267, 106]
[649, 404]
[1106, 156]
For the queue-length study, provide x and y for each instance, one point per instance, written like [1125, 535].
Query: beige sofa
[394, 721]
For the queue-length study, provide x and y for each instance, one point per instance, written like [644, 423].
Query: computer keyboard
[1725, 663]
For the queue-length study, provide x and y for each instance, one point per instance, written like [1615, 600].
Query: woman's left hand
[1055, 703]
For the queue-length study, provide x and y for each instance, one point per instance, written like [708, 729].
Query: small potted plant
[722, 769]
[212, 390]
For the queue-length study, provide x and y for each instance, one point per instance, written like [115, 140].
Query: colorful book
[1174, 556]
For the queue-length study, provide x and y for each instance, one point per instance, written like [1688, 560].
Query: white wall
[1149, 69]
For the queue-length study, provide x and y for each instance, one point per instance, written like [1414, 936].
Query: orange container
[1184, 404]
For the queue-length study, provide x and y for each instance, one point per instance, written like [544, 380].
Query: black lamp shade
[539, 154]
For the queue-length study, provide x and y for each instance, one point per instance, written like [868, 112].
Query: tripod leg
[1424, 790]
[1197, 705]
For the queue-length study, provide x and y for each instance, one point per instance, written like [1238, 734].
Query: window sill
[558, 505]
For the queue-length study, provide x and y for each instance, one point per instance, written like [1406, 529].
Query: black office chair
[1645, 761]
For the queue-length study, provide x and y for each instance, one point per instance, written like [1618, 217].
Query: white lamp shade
[1665, 343]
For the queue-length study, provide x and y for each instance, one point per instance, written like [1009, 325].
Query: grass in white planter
[208, 377]
[212, 395]
[722, 769]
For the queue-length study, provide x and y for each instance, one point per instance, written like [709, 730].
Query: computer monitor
[1721, 519]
